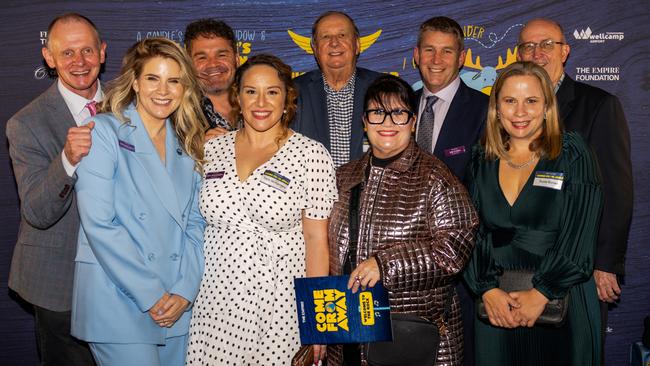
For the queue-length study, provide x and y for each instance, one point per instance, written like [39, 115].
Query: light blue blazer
[141, 233]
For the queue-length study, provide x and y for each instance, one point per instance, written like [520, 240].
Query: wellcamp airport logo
[588, 34]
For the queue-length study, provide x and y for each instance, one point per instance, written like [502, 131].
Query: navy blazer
[311, 116]
[598, 116]
[461, 129]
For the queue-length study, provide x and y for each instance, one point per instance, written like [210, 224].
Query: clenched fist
[77, 144]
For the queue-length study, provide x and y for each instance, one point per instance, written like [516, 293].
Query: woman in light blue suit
[140, 253]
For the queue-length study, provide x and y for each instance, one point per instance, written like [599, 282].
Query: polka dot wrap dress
[245, 313]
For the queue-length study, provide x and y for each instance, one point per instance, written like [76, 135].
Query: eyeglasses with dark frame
[398, 116]
[547, 45]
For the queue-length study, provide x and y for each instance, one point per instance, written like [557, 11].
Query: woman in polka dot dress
[267, 194]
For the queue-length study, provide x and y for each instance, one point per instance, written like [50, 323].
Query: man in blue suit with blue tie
[451, 118]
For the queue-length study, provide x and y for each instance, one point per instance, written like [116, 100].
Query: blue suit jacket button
[142, 216]
[174, 257]
[151, 257]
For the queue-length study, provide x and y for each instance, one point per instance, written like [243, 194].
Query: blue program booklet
[329, 313]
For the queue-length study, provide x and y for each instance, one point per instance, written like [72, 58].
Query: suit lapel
[319, 104]
[450, 133]
[136, 136]
[58, 113]
[360, 86]
[565, 98]
[180, 167]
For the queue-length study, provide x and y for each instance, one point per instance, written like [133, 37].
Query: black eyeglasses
[398, 116]
[546, 46]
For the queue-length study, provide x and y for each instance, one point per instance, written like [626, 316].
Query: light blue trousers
[141, 354]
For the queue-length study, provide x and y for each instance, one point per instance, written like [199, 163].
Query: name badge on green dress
[551, 180]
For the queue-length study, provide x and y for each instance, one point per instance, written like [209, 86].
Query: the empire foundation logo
[331, 310]
[588, 34]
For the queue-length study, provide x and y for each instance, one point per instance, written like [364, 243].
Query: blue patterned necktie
[425, 125]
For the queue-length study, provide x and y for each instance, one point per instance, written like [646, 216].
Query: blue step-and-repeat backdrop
[610, 48]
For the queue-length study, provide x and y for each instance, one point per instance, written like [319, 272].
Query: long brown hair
[284, 73]
[496, 139]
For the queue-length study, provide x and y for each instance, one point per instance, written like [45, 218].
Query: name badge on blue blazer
[455, 151]
[126, 145]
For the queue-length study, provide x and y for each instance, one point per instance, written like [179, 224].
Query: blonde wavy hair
[188, 120]
[496, 139]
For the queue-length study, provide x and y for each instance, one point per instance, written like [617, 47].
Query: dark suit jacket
[599, 118]
[311, 117]
[42, 266]
[461, 129]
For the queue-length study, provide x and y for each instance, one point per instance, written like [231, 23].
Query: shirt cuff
[69, 168]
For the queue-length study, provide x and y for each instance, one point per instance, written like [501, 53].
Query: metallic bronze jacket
[417, 220]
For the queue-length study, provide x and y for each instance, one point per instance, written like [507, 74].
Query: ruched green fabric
[552, 232]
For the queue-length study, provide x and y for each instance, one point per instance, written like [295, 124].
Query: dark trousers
[55, 344]
[469, 315]
[604, 308]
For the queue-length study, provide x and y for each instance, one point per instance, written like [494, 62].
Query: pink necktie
[92, 107]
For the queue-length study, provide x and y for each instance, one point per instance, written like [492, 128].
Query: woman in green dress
[538, 194]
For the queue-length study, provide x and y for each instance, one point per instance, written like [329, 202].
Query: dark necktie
[92, 107]
[425, 125]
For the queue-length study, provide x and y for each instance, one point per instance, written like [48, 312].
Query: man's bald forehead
[71, 18]
[543, 22]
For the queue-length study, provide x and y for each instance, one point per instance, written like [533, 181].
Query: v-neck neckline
[523, 189]
[234, 159]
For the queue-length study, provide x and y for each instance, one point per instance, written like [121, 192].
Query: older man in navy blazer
[330, 99]
[46, 144]
[451, 118]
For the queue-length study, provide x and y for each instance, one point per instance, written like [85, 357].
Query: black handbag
[415, 339]
[521, 280]
[415, 343]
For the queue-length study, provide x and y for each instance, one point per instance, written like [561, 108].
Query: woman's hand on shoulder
[320, 352]
[365, 275]
[532, 303]
[500, 307]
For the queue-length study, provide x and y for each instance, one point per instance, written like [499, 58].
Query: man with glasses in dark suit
[598, 116]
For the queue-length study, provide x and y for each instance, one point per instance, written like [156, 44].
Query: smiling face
[336, 45]
[215, 62]
[159, 89]
[388, 139]
[521, 107]
[552, 61]
[262, 98]
[439, 59]
[76, 53]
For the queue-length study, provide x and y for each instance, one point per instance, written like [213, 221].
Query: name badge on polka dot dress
[275, 180]
[215, 175]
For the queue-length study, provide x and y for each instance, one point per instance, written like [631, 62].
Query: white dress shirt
[77, 107]
[440, 108]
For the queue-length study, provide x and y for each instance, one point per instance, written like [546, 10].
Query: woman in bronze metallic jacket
[416, 223]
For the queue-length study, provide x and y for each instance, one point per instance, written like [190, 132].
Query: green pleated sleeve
[571, 259]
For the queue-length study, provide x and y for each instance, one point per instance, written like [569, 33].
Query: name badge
[126, 145]
[215, 175]
[455, 151]
[553, 180]
[275, 180]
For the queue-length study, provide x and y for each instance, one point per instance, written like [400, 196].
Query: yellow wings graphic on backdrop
[305, 42]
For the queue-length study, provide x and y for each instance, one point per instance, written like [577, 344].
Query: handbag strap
[353, 217]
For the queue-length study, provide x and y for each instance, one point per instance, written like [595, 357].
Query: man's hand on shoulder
[78, 143]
